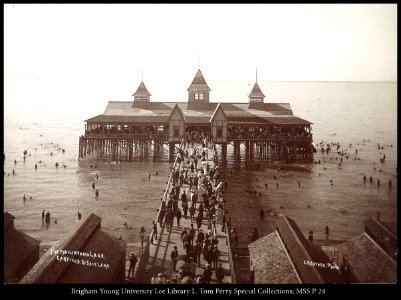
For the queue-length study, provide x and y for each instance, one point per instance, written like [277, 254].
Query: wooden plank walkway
[160, 262]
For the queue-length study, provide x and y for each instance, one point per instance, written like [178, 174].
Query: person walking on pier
[93, 185]
[174, 258]
[168, 219]
[234, 236]
[220, 274]
[79, 215]
[214, 229]
[198, 251]
[207, 274]
[185, 208]
[132, 263]
[161, 216]
[178, 216]
[192, 212]
[154, 233]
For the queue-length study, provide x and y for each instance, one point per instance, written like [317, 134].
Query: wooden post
[224, 151]
[171, 151]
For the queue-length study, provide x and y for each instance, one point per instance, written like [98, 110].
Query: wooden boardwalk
[159, 260]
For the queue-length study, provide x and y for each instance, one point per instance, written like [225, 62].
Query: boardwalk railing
[231, 259]
[143, 260]
[145, 253]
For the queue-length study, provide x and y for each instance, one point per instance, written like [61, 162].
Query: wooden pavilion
[136, 129]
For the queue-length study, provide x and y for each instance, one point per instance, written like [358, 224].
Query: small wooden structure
[21, 251]
[88, 255]
[129, 130]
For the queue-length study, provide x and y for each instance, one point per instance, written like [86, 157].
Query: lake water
[364, 114]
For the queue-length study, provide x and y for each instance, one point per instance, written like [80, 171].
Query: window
[198, 96]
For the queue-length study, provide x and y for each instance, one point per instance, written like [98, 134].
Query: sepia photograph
[155, 145]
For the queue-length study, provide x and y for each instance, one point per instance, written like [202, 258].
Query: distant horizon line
[358, 81]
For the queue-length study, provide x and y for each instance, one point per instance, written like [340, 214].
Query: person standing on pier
[327, 231]
[132, 263]
[43, 215]
[149, 176]
[93, 185]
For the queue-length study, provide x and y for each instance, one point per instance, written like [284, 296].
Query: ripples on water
[354, 111]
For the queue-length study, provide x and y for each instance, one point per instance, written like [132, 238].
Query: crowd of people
[196, 185]
[264, 132]
[124, 129]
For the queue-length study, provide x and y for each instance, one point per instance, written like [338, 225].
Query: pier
[155, 253]
[201, 133]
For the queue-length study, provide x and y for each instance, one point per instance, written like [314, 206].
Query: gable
[219, 114]
[176, 114]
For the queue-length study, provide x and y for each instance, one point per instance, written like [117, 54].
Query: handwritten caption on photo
[81, 258]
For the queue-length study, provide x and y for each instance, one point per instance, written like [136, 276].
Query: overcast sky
[99, 50]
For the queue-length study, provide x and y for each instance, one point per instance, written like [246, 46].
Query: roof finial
[199, 60]
[142, 74]
[256, 74]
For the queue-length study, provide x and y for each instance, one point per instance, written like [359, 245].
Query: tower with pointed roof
[198, 92]
[141, 96]
[256, 97]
